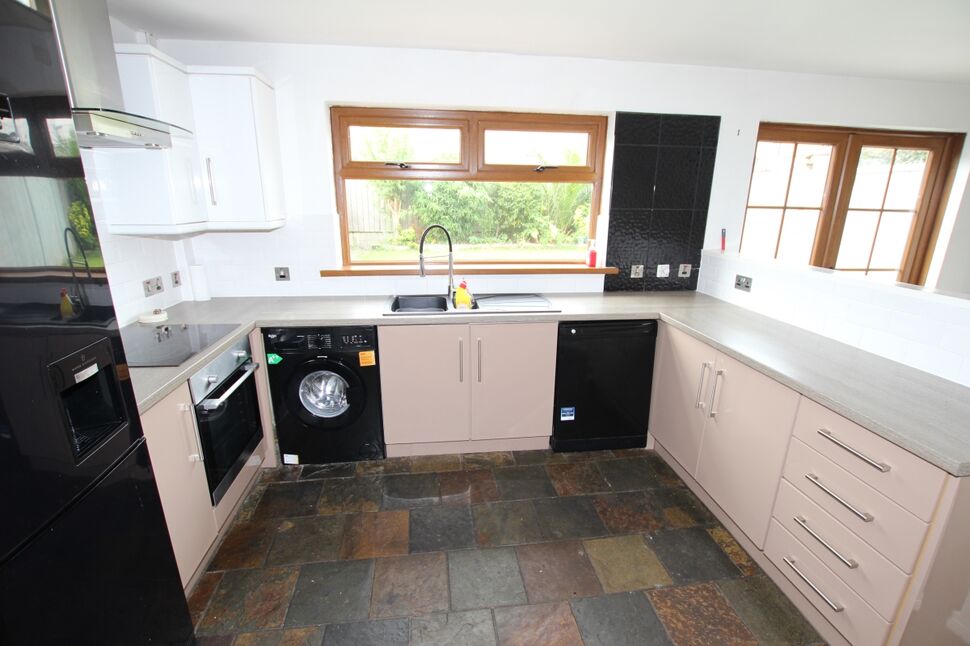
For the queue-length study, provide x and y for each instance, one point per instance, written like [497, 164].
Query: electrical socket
[153, 286]
[282, 273]
[684, 271]
[176, 279]
[636, 271]
[742, 282]
[663, 271]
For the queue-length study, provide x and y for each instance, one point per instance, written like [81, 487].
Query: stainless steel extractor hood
[93, 85]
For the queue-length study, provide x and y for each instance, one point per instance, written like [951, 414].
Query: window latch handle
[540, 168]
[398, 164]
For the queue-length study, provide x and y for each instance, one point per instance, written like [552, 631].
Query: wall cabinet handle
[479, 360]
[836, 607]
[698, 402]
[191, 432]
[849, 563]
[864, 516]
[880, 466]
[212, 185]
[717, 375]
[461, 361]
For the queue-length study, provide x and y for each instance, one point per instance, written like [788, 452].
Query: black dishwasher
[604, 371]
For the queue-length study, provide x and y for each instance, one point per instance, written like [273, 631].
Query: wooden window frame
[847, 147]
[472, 166]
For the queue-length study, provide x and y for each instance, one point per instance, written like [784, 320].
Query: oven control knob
[240, 354]
[212, 379]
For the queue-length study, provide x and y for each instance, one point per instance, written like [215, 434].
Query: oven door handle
[212, 404]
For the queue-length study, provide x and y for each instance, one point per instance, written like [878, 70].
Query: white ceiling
[906, 39]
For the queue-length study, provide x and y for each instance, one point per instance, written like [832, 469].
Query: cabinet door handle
[212, 185]
[827, 434]
[836, 607]
[479, 361]
[864, 516]
[188, 427]
[698, 402]
[461, 361]
[717, 375]
[849, 563]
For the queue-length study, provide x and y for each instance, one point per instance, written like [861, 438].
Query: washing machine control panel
[315, 339]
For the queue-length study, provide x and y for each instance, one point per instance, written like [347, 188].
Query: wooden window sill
[468, 269]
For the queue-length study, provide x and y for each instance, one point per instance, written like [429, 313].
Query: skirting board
[814, 617]
[468, 446]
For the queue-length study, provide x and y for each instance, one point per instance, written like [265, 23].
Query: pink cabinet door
[749, 424]
[425, 382]
[180, 475]
[512, 380]
[683, 368]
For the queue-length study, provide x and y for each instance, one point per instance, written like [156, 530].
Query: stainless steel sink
[494, 303]
[419, 304]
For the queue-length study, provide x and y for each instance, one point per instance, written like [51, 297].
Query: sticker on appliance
[367, 358]
[273, 358]
[567, 413]
[291, 458]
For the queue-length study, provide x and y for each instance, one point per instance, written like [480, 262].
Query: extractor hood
[93, 85]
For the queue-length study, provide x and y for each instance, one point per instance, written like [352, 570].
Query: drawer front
[904, 478]
[892, 531]
[868, 573]
[856, 620]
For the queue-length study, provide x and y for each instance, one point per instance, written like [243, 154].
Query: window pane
[857, 237]
[891, 239]
[63, 141]
[760, 236]
[798, 236]
[769, 181]
[871, 177]
[418, 145]
[906, 182]
[521, 147]
[487, 220]
[809, 174]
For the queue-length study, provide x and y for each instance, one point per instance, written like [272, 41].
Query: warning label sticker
[367, 358]
[567, 413]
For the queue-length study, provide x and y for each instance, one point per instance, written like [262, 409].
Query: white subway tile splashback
[930, 332]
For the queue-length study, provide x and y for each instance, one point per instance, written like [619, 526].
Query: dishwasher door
[604, 371]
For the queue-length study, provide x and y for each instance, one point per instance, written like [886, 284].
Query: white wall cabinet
[467, 382]
[154, 85]
[725, 423]
[238, 141]
[176, 453]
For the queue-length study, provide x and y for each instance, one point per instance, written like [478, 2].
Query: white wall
[310, 78]
[928, 331]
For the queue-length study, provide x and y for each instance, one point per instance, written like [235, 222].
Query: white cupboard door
[512, 380]
[749, 424]
[175, 451]
[425, 373]
[226, 135]
[185, 182]
[683, 369]
[267, 141]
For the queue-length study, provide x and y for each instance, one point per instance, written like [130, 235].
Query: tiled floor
[495, 548]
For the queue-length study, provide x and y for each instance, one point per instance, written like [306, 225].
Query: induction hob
[168, 344]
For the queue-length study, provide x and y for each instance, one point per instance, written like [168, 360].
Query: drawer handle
[836, 607]
[827, 434]
[864, 516]
[849, 563]
[698, 402]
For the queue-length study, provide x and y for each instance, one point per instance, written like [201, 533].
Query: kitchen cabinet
[154, 85]
[238, 142]
[725, 423]
[682, 370]
[176, 453]
[444, 383]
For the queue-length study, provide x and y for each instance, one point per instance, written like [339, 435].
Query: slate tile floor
[605, 547]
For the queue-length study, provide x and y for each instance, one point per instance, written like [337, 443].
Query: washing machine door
[326, 393]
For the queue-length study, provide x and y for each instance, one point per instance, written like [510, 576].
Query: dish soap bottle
[463, 298]
[67, 306]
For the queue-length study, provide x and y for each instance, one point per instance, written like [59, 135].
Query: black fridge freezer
[604, 371]
[85, 556]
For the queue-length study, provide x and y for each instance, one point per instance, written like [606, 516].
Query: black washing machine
[326, 388]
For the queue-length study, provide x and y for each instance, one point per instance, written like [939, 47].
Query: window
[857, 201]
[509, 187]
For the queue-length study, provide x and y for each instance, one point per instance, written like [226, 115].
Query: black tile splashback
[663, 166]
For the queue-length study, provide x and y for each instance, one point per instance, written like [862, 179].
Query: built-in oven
[227, 413]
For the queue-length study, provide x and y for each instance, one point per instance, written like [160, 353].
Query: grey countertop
[925, 414]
